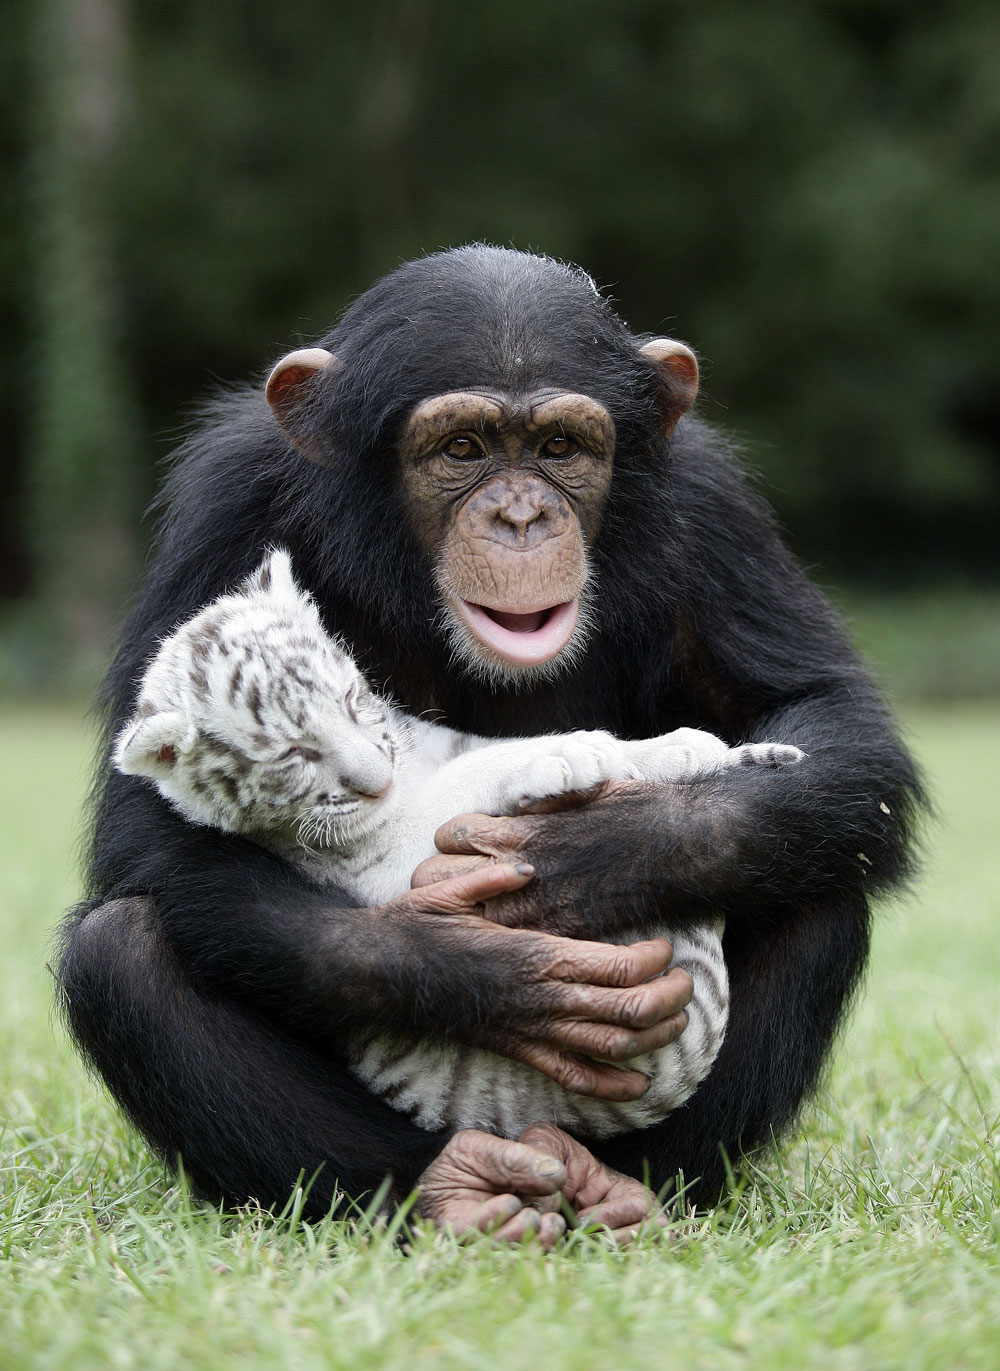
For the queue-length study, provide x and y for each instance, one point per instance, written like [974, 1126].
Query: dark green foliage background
[807, 192]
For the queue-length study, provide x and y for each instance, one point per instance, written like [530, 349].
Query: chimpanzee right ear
[292, 390]
[148, 744]
[677, 367]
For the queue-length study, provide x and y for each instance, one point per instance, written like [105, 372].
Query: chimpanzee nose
[520, 513]
[518, 510]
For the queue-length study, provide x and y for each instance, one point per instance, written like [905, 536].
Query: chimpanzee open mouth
[522, 638]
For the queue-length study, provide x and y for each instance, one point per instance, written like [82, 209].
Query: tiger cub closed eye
[252, 719]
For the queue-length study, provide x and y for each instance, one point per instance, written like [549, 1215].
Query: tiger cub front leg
[565, 764]
[503, 778]
[689, 752]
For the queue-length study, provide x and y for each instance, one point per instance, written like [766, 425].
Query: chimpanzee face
[505, 494]
[504, 487]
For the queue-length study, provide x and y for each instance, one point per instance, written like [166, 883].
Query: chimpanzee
[497, 496]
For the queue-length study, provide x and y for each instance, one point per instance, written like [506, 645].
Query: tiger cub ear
[273, 577]
[150, 743]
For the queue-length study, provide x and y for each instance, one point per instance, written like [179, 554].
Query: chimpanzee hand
[482, 1183]
[516, 1189]
[554, 1003]
[600, 859]
[597, 1194]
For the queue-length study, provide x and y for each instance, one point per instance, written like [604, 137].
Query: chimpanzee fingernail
[547, 1168]
[524, 869]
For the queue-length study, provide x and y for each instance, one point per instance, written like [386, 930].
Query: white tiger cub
[253, 720]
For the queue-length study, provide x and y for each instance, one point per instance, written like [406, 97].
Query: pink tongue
[522, 639]
[518, 623]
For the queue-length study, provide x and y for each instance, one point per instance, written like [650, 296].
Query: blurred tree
[804, 192]
[82, 478]
[14, 579]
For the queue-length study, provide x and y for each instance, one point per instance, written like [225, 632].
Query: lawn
[871, 1241]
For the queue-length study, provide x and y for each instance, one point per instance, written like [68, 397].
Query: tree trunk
[82, 481]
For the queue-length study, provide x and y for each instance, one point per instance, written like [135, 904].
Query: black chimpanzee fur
[213, 1005]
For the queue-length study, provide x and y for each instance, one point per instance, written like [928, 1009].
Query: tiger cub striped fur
[252, 719]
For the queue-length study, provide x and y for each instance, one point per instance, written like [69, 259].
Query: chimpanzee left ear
[292, 391]
[678, 369]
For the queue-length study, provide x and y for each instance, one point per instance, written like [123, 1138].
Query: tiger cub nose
[366, 769]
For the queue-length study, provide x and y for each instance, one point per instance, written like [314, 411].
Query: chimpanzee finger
[609, 964]
[581, 1076]
[435, 869]
[530, 1225]
[483, 835]
[491, 1215]
[627, 1215]
[547, 1204]
[550, 1230]
[615, 1044]
[503, 1164]
[634, 1007]
[525, 1224]
[462, 893]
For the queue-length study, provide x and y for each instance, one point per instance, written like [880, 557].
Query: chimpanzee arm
[753, 844]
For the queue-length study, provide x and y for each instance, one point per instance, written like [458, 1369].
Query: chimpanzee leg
[246, 1108]
[790, 983]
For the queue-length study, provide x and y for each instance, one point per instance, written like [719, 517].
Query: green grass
[870, 1242]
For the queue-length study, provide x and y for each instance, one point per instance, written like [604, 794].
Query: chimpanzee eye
[462, 449]
[560, 446]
